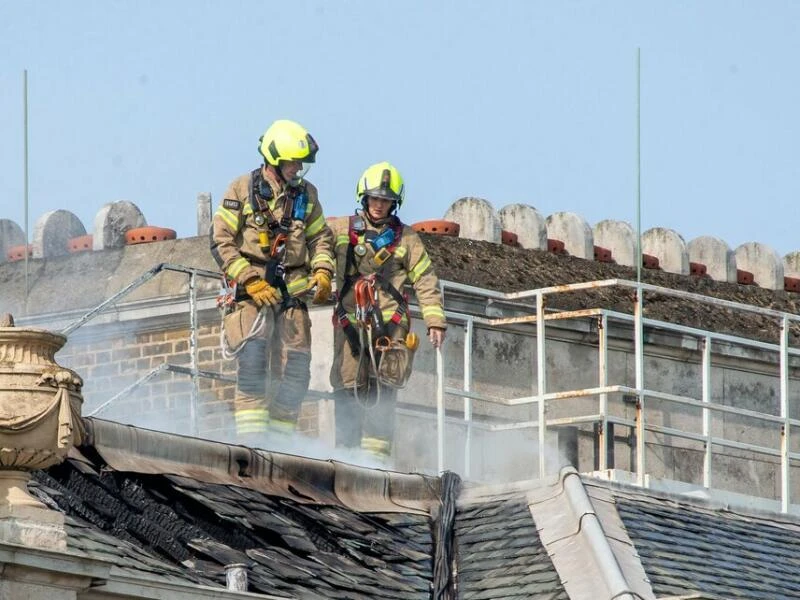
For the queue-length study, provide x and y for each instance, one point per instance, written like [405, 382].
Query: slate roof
[182, 527]
[687, 547]
[316, 529]
[500, 554]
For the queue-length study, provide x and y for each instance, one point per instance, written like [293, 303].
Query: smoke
[478, 453]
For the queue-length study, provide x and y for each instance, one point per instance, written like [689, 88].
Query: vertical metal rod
[25, 176]
[541, 380]
[602, 381]
[640, 412]
[638, 165]
[786, 432]
[193, 358]
[706, 412]
[440, 409]
[468, 332]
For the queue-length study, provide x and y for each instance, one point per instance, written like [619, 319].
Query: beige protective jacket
[409, 263]
[235, 235]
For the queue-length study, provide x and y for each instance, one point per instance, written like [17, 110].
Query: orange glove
[261, 292]
[322, 280]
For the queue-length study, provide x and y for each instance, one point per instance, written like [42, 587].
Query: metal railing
[192, 371]
[539, 318]
[603, 390]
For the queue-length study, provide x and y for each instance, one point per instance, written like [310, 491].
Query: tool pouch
[395, 366]
[236, 325]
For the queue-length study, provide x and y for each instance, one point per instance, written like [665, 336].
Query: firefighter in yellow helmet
[270, 238]
[376, 255]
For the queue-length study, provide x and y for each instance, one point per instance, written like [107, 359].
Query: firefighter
[376, 255]
[270, 238]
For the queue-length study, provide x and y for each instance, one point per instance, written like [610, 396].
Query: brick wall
[114, 356]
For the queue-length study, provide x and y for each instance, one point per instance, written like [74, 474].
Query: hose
[367, 404]
[256, 329]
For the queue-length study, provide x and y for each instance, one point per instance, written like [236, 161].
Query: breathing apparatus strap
[273, 234]
[369, 316]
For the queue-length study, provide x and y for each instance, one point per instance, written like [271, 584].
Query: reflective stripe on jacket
[235, 240]
[409, 263]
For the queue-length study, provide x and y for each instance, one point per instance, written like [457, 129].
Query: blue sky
[513, 101]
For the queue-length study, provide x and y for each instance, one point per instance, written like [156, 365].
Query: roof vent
[438, 227]
[791, 284]
[650, 262]
[80, 243]
[744, 277]
[509, 238]
[145, 235]
[602, 254]
[698, 269]
[556, 246]
[236, 577]
[18, 252]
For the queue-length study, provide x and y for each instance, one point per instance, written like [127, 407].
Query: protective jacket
[248, 208]
[393, 255]
[266, 230]
[407, 261]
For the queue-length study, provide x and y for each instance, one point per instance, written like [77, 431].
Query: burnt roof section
[172, 525]
[692, 547]
[292, 521]
[500, 554]
[509, 269]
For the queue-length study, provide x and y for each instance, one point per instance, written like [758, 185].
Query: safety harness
[273, 233]
[272, 237]
[370, 335]
[365, 288]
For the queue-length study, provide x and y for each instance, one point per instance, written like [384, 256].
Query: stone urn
[40, 412]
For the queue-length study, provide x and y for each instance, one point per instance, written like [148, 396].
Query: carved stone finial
[40, 420]
[6, 320]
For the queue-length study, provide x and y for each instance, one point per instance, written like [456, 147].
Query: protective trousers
[273, 372]
[365, 419]
[366, 422]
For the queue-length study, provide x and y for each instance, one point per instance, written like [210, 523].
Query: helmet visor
[299, 175]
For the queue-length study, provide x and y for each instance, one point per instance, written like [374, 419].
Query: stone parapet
[527, 223]
[763, 262]
[574, 231]
[477, 219]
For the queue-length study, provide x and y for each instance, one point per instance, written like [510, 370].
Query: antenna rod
[25, 175]
[638, 165]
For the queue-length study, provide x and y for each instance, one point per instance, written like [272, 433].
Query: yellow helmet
[287, 140]
[382, 180]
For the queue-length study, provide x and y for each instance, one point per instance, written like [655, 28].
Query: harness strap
[367, 309]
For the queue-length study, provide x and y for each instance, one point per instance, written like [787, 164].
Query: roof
[181, 509]
[508, 269]
[290, 520]
[500, 553]
[687, 548]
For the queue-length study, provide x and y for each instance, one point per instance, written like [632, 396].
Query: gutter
[126, 448]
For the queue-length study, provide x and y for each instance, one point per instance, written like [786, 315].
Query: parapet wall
[752, 263]
[120, 223]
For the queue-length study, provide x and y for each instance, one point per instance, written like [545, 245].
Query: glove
[261, 292]
[322, 279]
